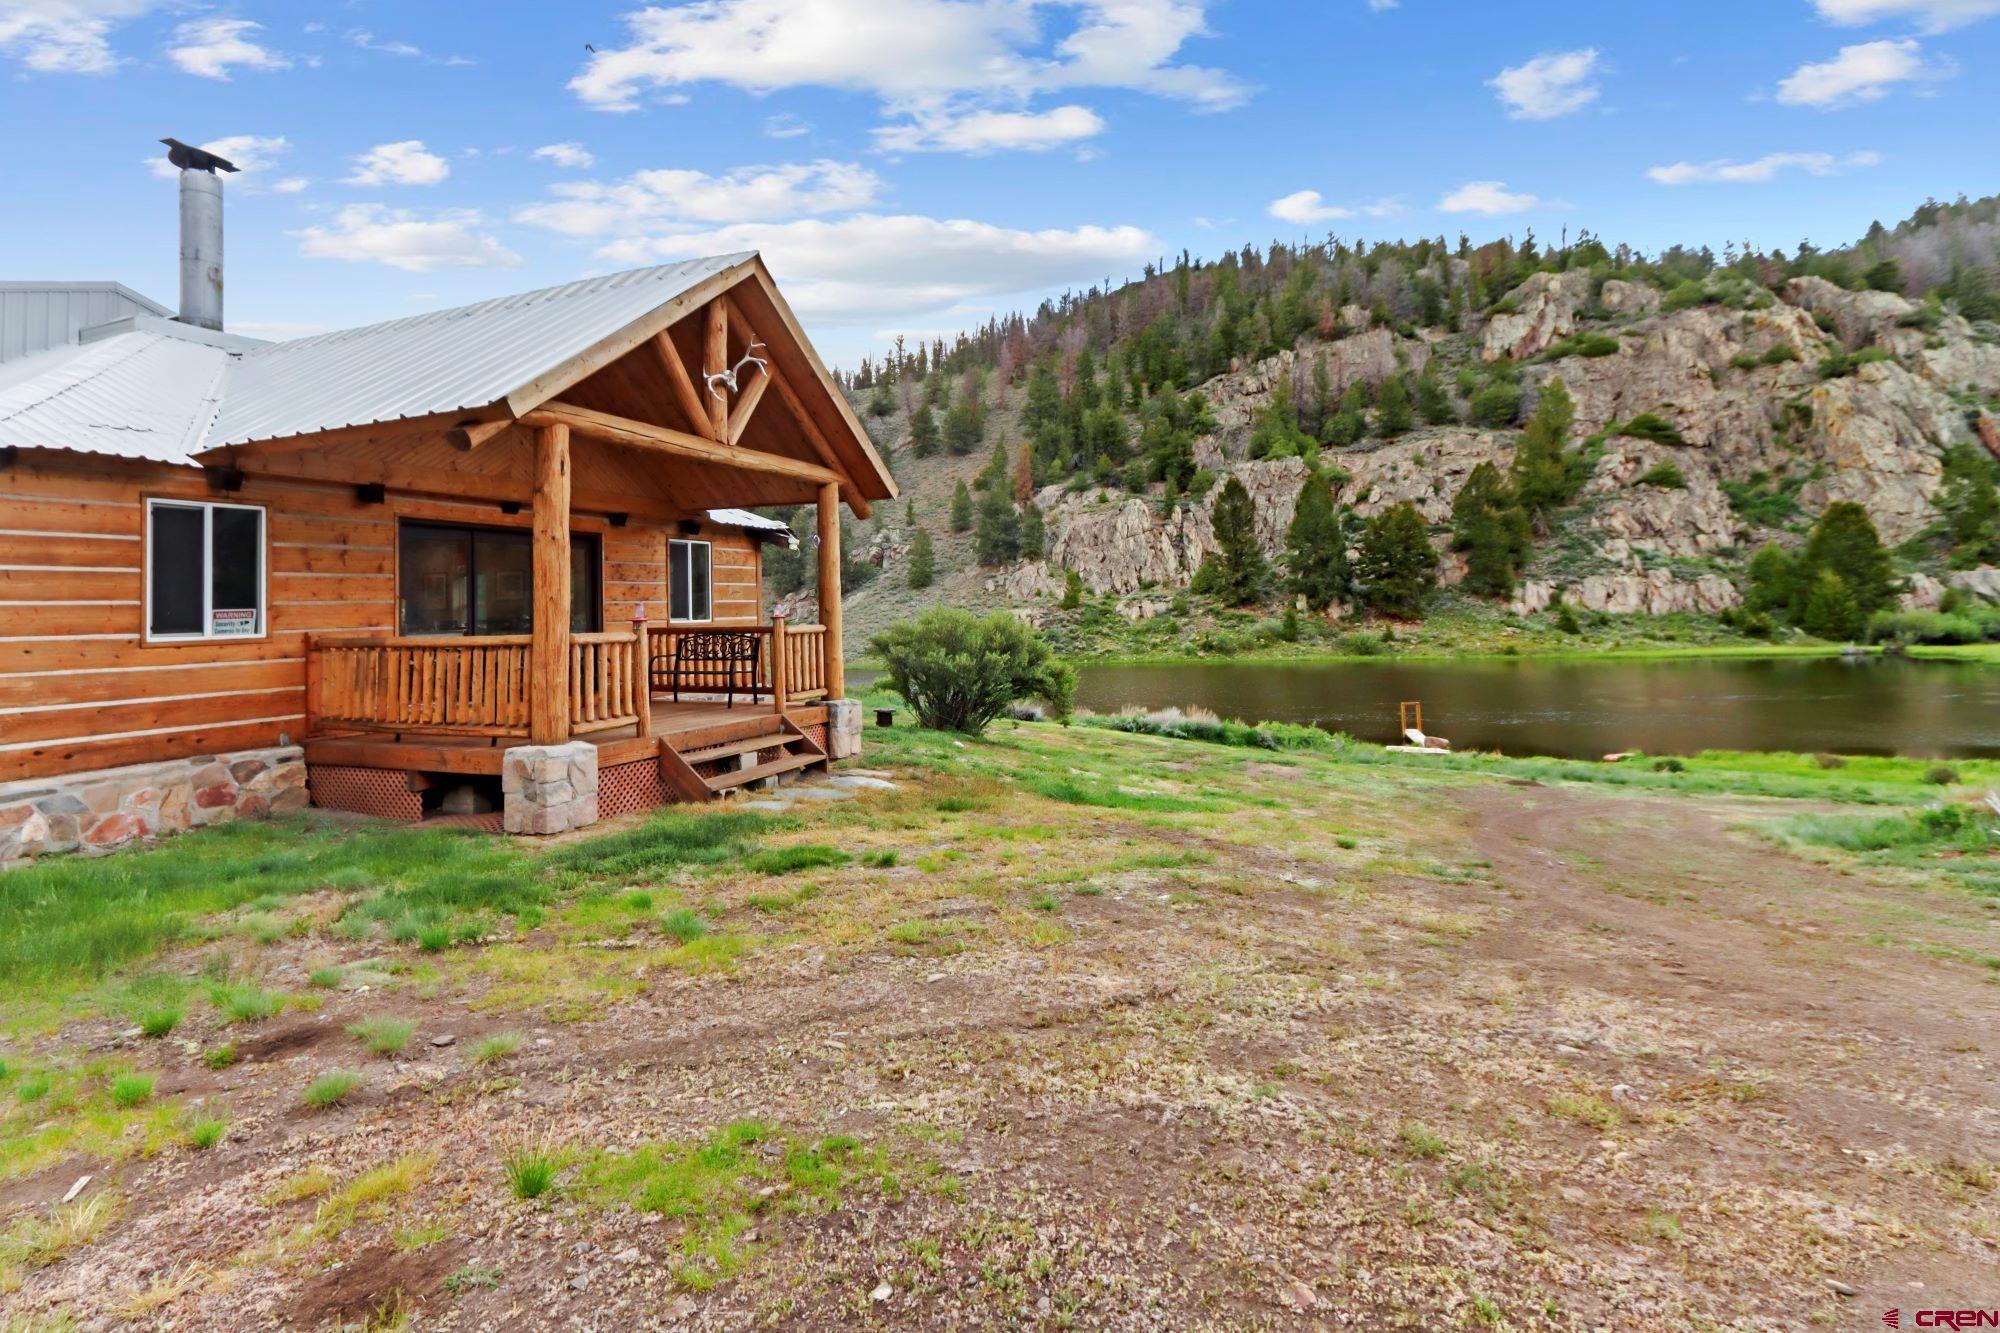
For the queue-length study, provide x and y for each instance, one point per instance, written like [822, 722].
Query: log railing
[804, 662]
[607, 682]
[474, 686]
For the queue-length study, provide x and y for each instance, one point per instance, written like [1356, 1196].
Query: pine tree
[882, 402]
[1034, 532]
[923, 559]
[1072, 596]
[1433, 403]
[1844, 543]
[923, 432]
[961, 507]
[1043, 405]
[1393, 416]
[1493, 531]
[1969, 506]
[996, 537]
[1236, 571]
[1831, 610]
[1316, 548]
[962, 427]
[1395, 568]
[1774, 580]
[1543, 476]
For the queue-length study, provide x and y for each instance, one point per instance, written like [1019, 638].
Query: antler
[728, 376]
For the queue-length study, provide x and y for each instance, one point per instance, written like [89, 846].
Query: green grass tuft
[204, 1131]
[685, 924]
[383, 1036]
[159, 1022]
[496, 1047]
[531, 1172]
[129, 1090]
[330, 1089]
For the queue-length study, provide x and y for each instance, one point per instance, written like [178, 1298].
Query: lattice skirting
[816, 730]
[364, 791]
[626, 789]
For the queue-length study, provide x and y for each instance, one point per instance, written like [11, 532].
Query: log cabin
[492, 565]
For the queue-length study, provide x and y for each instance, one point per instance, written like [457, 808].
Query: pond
[1583, 709]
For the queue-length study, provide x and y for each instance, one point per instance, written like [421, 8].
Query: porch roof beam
[814, 436]
[610, 429]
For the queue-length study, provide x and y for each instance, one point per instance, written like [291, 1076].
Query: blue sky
[912, 165]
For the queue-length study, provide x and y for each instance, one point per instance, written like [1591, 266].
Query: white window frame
[207, 632]
[708, 555]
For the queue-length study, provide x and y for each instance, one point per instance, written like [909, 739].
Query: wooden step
[740, 777]
[749, 745]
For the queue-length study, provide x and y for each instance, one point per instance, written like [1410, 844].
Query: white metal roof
[39, 315]
[446, 361]
[144, 395]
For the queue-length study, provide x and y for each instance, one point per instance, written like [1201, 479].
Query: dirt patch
[377, 1284]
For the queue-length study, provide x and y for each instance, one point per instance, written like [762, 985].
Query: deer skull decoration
[720, 380]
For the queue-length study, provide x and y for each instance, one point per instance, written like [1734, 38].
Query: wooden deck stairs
[707, 764]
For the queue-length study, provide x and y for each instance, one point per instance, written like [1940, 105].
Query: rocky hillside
[1781, 400]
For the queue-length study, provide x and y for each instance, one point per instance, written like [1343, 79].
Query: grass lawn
[1073, 1027]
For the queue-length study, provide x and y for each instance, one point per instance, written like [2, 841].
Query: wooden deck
[686, 725]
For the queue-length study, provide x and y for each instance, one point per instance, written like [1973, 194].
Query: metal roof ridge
[624, 276]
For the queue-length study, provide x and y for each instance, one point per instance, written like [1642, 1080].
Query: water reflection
[1585, 709]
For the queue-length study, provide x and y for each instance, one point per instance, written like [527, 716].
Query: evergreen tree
[1043, 405]
[1433, 403]
[961, 507]
[1774, 581]
[1072, 596]
[1316, 548]
[1278, 434]
[923, 432]
[1844, 543]
[1831, 610]
[1034, 532]
[1393, 416]
[1494, 532]
[1395, 568]
[1236, 571]
[882, 402]
[962, 427]
[996, 537]
[1970, 507]
[1543, 475]
[1103, 435]
[923, 559]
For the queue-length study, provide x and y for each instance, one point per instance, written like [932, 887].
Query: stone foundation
[549, 788]
[99, 812]
[843, 728]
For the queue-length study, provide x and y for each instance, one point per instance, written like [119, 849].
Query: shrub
[1829, 762]
[1669, 765]
[1496, 405]
[1664, 474]
[1941, 775]
[1905, 627]
[1566, 621]
[1842, 364]
[959, 672]
[330, 1089]
[1650, 426]
[1686, 296]
[220, 1057]
[1582, 344]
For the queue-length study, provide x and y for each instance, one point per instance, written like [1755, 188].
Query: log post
[778, 664]
[829, 586]
[548, 653]
[642, 672]
[716, 359]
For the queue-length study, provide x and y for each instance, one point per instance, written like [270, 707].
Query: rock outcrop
[1545, 309]
[1235, 399]
[1655, 593]
[1693, 519]
[1629, 298]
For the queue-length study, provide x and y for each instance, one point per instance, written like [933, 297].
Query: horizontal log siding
[79, 687]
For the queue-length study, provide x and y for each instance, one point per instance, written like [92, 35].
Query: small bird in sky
[588, 47]
[189, 158]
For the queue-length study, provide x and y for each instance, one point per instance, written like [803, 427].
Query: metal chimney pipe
[201, 249]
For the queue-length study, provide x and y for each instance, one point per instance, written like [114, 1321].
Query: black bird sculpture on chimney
[189, 158]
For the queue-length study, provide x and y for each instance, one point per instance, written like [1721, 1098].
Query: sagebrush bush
[959, 672]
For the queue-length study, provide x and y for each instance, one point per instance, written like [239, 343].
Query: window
[204, 571]
[456, 579]
[687, 581]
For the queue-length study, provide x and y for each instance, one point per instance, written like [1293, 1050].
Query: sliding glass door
[458, 579]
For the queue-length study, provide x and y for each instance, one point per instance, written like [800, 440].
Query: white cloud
[981, 132]
[1491, 198]
[390, 46]
[567, 154]
[649, 201]
[407, 162]
[1553, 84]
[906, 270]
[1929, 15]
[1865, 73]
[1381, 6]
[251, 153]
[210, 47]
[291, 185]
[964, 70]
[1306, 206]
[65, 36]
[784, 125]
[377, 234]
[1760, 171]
